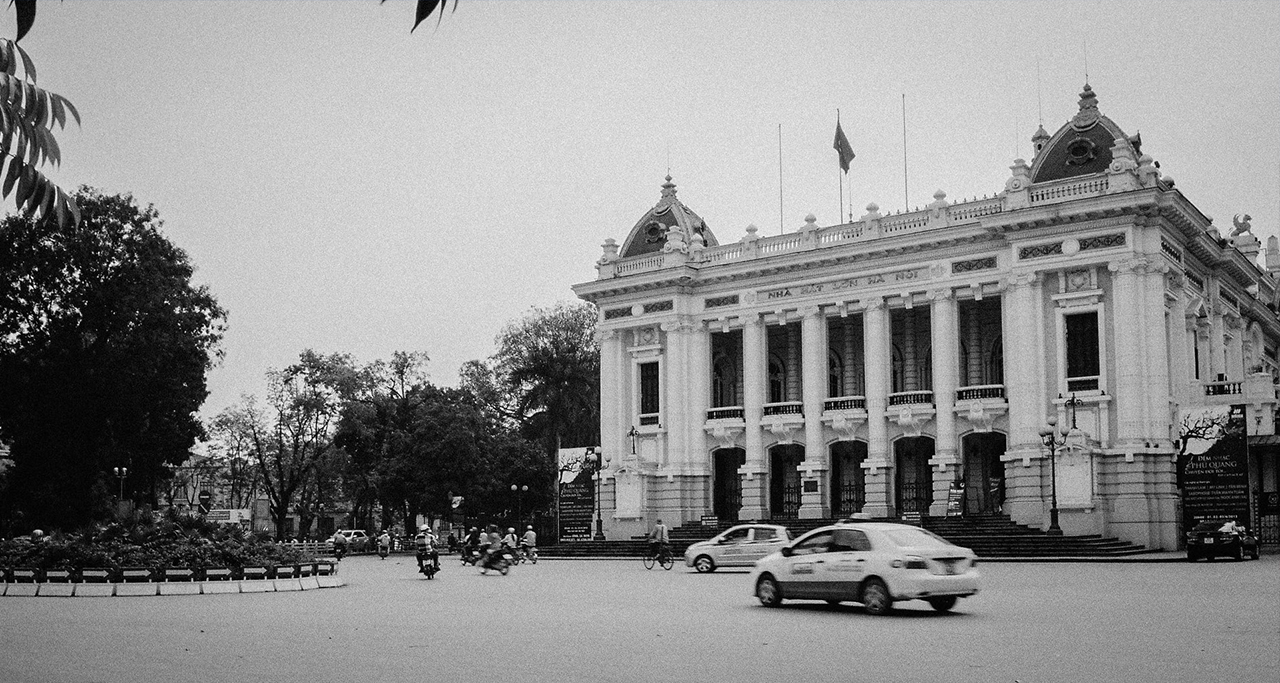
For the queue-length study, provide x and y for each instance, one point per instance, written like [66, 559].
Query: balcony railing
[907, 398]
[1078, 384]
[845, 403]
[784, 408]
[726, 413]
[1223, 388]
[981, 391]
[650, 419]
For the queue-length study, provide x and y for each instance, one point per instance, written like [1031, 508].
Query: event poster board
[1213, 465]
[577, 495]
[955, 499]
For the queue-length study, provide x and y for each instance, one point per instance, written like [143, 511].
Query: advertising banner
[577, 499]
[1213, 465]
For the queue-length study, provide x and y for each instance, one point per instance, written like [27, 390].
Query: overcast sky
[345, 186]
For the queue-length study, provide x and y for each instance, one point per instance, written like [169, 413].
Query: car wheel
[876, 598]
[943, 604]
[1239, 554]
[768, 592]
[1191, 557]
[1254, 554]
[704, 564]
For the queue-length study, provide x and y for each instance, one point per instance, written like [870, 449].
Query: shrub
[142, 540]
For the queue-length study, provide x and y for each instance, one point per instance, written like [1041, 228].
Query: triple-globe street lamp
[121, 473]
[519, 492]
[1053, 437]
[598, 461]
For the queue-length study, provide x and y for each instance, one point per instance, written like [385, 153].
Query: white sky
[345, 186]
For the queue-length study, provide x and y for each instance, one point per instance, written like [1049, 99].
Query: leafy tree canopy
[104, 346]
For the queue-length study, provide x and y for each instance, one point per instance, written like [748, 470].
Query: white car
[874, 563]
[738, 546]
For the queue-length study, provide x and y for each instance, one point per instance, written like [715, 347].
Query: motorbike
[339, 549]
[383, 551]
[501, 561]
[470, 556]
[529, 554]
[428, 566]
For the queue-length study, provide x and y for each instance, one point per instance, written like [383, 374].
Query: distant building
[868, 367]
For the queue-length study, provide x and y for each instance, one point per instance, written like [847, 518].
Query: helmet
[511, 530]
[423, 527]
[530, 527]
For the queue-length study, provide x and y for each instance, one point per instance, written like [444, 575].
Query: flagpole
[780, 220]
[840, 206]
[905, 194]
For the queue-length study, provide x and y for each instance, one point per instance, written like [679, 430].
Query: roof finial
[669, 188]
[1088, 114]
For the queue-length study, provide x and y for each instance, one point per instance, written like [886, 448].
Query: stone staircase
[988, 535]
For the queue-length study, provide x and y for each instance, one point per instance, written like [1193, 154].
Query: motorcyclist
[509, 540]
[384, 545]
[339, 545]
[471, 545]
[493, 546]
[425, 544]
[529, 541]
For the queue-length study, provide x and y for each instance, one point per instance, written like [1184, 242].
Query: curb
[106, 590]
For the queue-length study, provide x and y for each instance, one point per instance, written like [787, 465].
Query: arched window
[777, 379]
[724, 382]
[899, 375]
[995, 362]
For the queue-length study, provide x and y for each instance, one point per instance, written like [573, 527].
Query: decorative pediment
[725, 432]
[782, 428]
[846, 423]
[912, 418]
[982, 414]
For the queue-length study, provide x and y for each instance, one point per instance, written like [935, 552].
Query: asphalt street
[581, 620]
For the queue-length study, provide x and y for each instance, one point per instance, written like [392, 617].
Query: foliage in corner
[28, 116]
[423, 10]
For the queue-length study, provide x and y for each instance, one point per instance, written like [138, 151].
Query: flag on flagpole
[843, 148]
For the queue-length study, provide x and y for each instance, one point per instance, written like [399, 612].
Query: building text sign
[897, 276]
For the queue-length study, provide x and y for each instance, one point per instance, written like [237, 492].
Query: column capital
[874, 303]
[941, 294]
[1025, 279]
[1131, 266]
[811, 311]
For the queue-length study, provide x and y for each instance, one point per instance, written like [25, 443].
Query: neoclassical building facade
[869, 367]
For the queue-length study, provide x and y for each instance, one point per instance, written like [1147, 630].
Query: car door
[802, 576]
[732, 547]
[845, 565]
[764, 540]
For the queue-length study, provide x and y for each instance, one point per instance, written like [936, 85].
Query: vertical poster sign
[1213, 465]
[577, 495]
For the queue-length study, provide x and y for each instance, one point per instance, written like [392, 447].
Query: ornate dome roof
[669, 220]
[1082, 146]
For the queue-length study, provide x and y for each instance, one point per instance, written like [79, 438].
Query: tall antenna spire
[1039, 98]
[1086, 60]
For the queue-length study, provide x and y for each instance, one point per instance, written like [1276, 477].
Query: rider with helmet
[425, 543]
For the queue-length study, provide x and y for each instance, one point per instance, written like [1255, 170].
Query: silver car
[738, 546]
[874, 563]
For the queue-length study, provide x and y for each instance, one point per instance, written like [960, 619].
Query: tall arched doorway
[726, 494]
[848, 479]
[784, 481]
[983, 472]
[913, 483]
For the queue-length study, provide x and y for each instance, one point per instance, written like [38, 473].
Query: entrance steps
[989, 535]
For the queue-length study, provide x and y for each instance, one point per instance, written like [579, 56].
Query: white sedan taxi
[738, 546]
[874, 563]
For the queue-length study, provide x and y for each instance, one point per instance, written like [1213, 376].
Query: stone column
[1026, 497]
[876, 347]
[613, 382]
[1181, 354]
[813, 332]
[674, 408]
[946, 361]
[755, 484]
[699, 399]
[1127, 329]
[1158, 355]
[1217, 344]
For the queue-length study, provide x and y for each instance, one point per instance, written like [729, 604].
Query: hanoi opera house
[870, 367]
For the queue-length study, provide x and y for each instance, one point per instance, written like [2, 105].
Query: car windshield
[909, 537]
[1212, 526]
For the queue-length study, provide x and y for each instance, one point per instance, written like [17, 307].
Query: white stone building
[865, 367]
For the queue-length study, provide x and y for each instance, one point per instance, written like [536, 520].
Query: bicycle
[662, 558]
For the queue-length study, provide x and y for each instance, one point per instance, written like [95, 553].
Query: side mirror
[787, 551]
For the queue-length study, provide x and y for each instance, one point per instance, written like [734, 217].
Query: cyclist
[658, 538]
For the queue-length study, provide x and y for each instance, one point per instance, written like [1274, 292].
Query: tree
[550, 362]
[104, 346]
[293, 434]
[232, 450]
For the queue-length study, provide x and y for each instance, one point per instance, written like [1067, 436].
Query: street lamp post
[122, 473]
[633, 434]
[1053, 437]
[519, 491]
[598, 462]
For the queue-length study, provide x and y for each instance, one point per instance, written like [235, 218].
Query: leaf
[50, 198]
[28, 66]
[26, 11]
[424, 10]
[70, 107]
[59, 112]
[15, 170]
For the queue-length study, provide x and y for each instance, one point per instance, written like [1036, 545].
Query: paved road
[608, 621]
